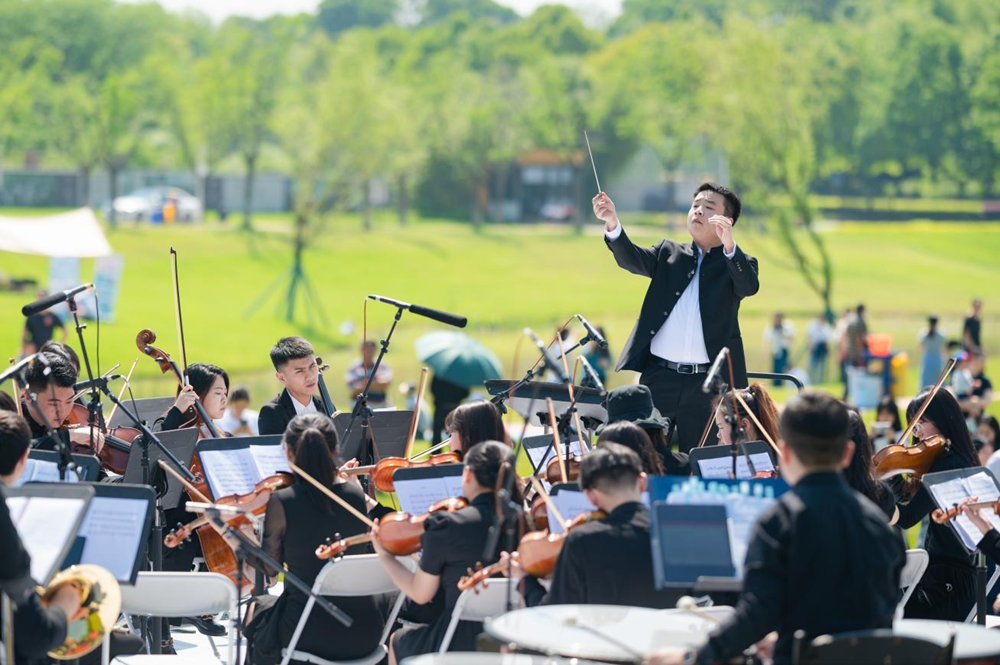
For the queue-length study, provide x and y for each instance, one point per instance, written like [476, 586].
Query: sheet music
[569, 503]
[721, 467]
[416, 496]
[45, 524]
[980, 485]
[539, 459]
[43, 471]
[229, 471]
[112, 530]
[270, 460]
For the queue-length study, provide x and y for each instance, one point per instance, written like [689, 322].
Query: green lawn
[503, 278]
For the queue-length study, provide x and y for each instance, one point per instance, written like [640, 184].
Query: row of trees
[439, 97]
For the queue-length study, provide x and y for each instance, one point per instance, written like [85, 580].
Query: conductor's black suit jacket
[671, 266]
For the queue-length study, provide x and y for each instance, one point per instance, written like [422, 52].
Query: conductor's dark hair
[860, 473]
[313, 442]
[610, 467]
[60, 371]
[476, 422]
[15, 438]
[289, 348]
[53, 346]
[633, 437]
[733, 204]
[946, 414]
[201, 376]
[7, 402]
[240, 393]
[815, 426]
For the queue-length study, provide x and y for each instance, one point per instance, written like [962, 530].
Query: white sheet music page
[229, 471]
[270, 460]
[416, 496]
[42, 471]
[949, 493]
[113, 533]
[569, 504]
[539, 459]
[721, 467]
[45, 524]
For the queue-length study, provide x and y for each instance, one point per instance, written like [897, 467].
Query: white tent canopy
[70, 234]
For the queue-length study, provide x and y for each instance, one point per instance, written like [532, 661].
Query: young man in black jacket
[691, 307]
[822, 560]
[295, 367]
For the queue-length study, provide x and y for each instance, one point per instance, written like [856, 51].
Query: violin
[254, 501]
[915, 460]
[382, 471]
[944, 516]
[399, 532]
[536, 554]
[117, 441]
[553, 472]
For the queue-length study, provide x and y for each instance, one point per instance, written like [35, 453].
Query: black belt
[681, 368]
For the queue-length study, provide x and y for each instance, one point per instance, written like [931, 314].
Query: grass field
[503, 278]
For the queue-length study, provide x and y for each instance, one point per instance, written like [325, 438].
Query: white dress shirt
[303, 408]
[681, 338]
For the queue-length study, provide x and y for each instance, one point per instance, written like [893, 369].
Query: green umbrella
[458, 358]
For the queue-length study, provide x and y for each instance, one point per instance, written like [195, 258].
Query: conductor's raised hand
[604, 209]
[724, 229]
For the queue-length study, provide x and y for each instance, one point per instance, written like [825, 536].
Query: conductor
[691, 308]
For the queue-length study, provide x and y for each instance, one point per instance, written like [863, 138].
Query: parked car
[146, 204]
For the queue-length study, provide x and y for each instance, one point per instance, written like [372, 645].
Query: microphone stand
[95, 417]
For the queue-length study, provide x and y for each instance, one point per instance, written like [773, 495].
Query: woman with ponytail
[299, 519]
[762, 406]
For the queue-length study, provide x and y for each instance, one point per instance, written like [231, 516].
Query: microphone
[713, 373]
[592, 373]
[87, 385]
[54, 299]
[550, 362]
[420, 310]
[592, 332]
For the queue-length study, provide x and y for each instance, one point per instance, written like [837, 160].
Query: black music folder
[181, 443]
[390, 429]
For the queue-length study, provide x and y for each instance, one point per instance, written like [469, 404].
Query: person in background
[447, 397]
[819, 335]
[239, 419]
[840, 334]
[40, 328]
[599, 359]
[932, 352]
[357, 376]
[988, 429]
[860, 473]
[887, 426]
[972, 327]
[983, 448]
[980, 394]
[778, 338]
[857, 338]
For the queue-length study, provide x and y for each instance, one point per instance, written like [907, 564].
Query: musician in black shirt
[822, 560]
[609, 561]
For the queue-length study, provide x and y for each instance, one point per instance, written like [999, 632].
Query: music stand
[389, 429]
[240, 478]
[148, 409]
[181, 443]
[716, 461]
[418, 488]
[47, 469]
[690, 542]
[115, 529]
[47, 517]
[589, 401]
[539, 450]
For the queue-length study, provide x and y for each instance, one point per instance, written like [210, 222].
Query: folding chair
[989, 587]
[174, 594]
[871, 647]
[481, 604]
[913, 571]
[357, 575]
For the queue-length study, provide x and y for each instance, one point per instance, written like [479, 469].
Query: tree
[74, 118]
[338, 16]
[24, 75]
[434, 11]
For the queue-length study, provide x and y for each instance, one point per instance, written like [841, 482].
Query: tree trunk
[85, 186]
[113, 182]
[578, 198]
[299, 243]
[251, 162]
[403, 201]
[366, 204]
[482, 198]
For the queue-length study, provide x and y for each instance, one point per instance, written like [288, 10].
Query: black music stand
[389, 430]
[540, 448]
[691, 544]
[181, 443]
[148, 409]
[430, 484]
[589, 401]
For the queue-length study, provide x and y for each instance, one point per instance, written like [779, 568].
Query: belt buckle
[686, 368]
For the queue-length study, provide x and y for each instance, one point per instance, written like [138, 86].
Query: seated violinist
[299, 519]
[53, 389]
[452, 543]
[608, 561]
[794, 579]
[474, 423]
[762, 406]
[295, 367]
[206, 383]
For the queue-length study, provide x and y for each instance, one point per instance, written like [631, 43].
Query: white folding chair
[989, 587]
[481, 604]
[357, 575]
[174, 594]
[913, 571]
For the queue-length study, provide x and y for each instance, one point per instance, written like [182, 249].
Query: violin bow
[177, 308]
[950, 365]
[555, 438]
[760, 428]
[326, 490]
[124, 388]
[17, 391]
[540, 490]
[184, 481]
[414, 421]
[708, 425]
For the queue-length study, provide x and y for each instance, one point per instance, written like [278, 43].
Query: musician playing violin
[298, 519]
[762, 406]
[947, 589]
[474, 423]
[452, 543]
[54, 393]
[607, 562]
[295, 367]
